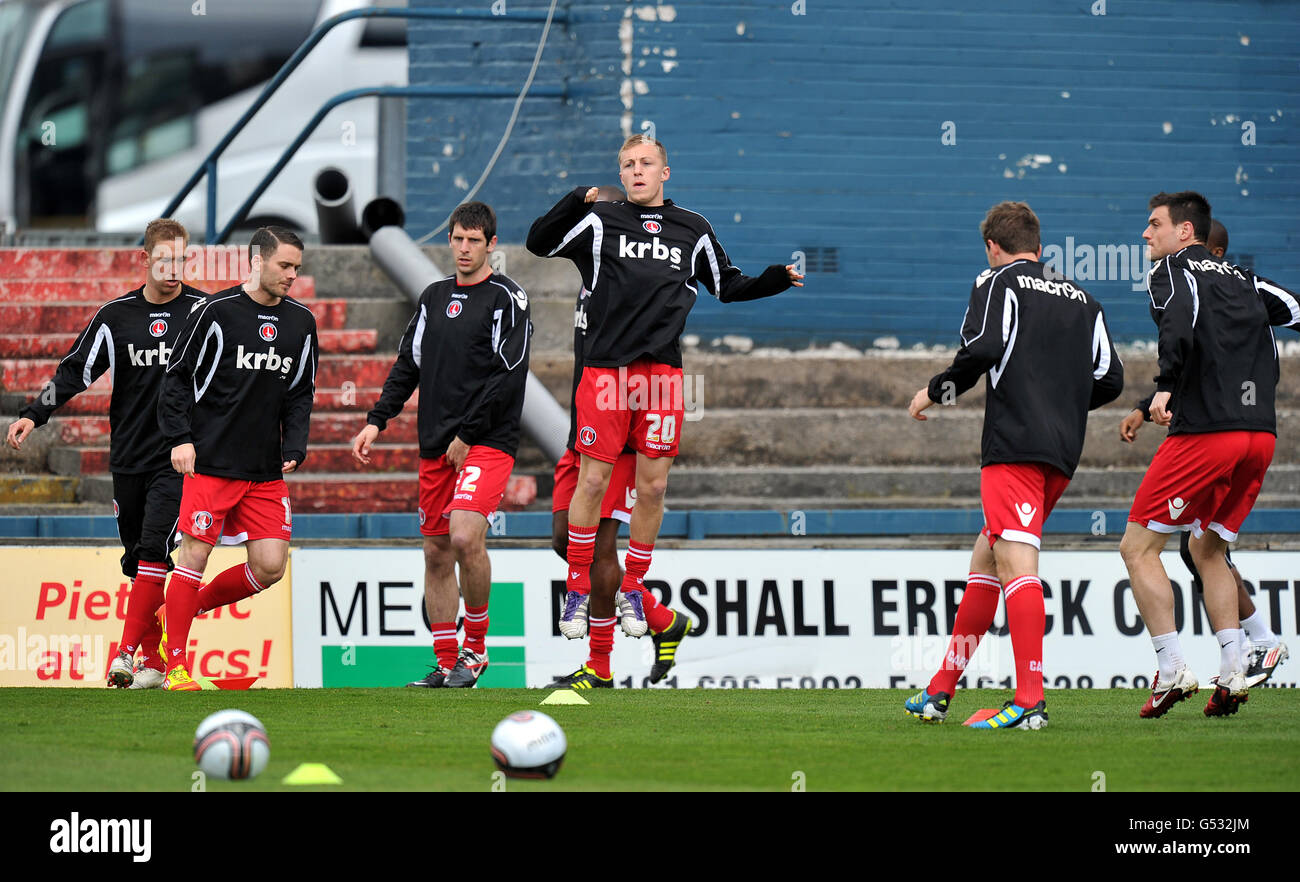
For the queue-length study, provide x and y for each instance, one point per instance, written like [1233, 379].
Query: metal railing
[209, 165]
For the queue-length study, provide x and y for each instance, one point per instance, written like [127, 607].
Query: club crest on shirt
[453, 309]
[587, 436]
[202, 520]
[651, 226]
[267, 332]
[157, 327]
[420, 512]
[116, 511]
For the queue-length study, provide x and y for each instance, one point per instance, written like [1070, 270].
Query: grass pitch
[633, 739]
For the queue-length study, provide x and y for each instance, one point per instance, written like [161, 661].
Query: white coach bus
[110, 105]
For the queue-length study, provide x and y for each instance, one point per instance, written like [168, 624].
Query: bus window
[64, 105]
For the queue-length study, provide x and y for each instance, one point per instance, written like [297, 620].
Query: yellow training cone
[312, 773]
[564, 696]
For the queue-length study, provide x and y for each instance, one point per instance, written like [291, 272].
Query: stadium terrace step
[868, 485]
[103, 290]
[341, 428]
[390, 492]
[57, 345]
[69, 263]
[37, 489]
[337, 458]
[833, 378]
[357, 370]
[79, 460]
[71, 318]
[888, 436]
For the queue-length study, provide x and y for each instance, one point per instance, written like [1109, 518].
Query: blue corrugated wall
[873, 136]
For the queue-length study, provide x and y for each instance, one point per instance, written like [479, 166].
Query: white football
[231, 744]
[528, 744]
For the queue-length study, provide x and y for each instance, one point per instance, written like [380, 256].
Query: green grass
[398, 739]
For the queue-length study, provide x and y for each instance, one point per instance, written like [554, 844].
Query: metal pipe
[379, 213]
[412, 271]
[209, 164]
[351, 95]
[337, 219]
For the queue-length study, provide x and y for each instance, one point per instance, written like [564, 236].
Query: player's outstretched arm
[729, 284]
[549, 231]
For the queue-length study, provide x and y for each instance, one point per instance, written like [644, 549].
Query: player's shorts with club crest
[1203, 482]
[620, 495]
[234, 511]
[640, 405]
[1017, 497]
[479, 486]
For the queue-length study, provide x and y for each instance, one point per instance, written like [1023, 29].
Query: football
[528, 744]
[231, 744]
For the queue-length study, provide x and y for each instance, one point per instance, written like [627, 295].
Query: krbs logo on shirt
[453, 309]
[651, 227]
[267, 332]
[158, 327]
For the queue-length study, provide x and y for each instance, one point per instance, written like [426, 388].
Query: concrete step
[95, 401]
[888, 436]
[74, 461]
[104, 289]
[37, 489]
[58, 345]
[387, 492]
[71, 318]
[870, 484]
[350, 271]
[337, 459]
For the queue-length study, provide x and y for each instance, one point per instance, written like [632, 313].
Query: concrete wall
[872, 136]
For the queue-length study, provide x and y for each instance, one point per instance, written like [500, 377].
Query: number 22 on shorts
[468, 479]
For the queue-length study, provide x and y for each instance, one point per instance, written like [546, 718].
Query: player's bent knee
[266, 577]
[467, 543]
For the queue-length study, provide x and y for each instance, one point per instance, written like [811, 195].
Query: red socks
[636, 565]
[1026, 617]
[476, 625]
[601, 641]
[444, 643]
[146, 597]
[230, 586]
[182, 602]
[979, 603]
[582, 548]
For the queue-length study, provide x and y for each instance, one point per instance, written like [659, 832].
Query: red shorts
[639, 406]
[234, 510]
[1017, 497]
[479, 486]
[620, 495]
[1201, 482]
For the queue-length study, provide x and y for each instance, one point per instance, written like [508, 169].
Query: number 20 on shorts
[665, 426]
